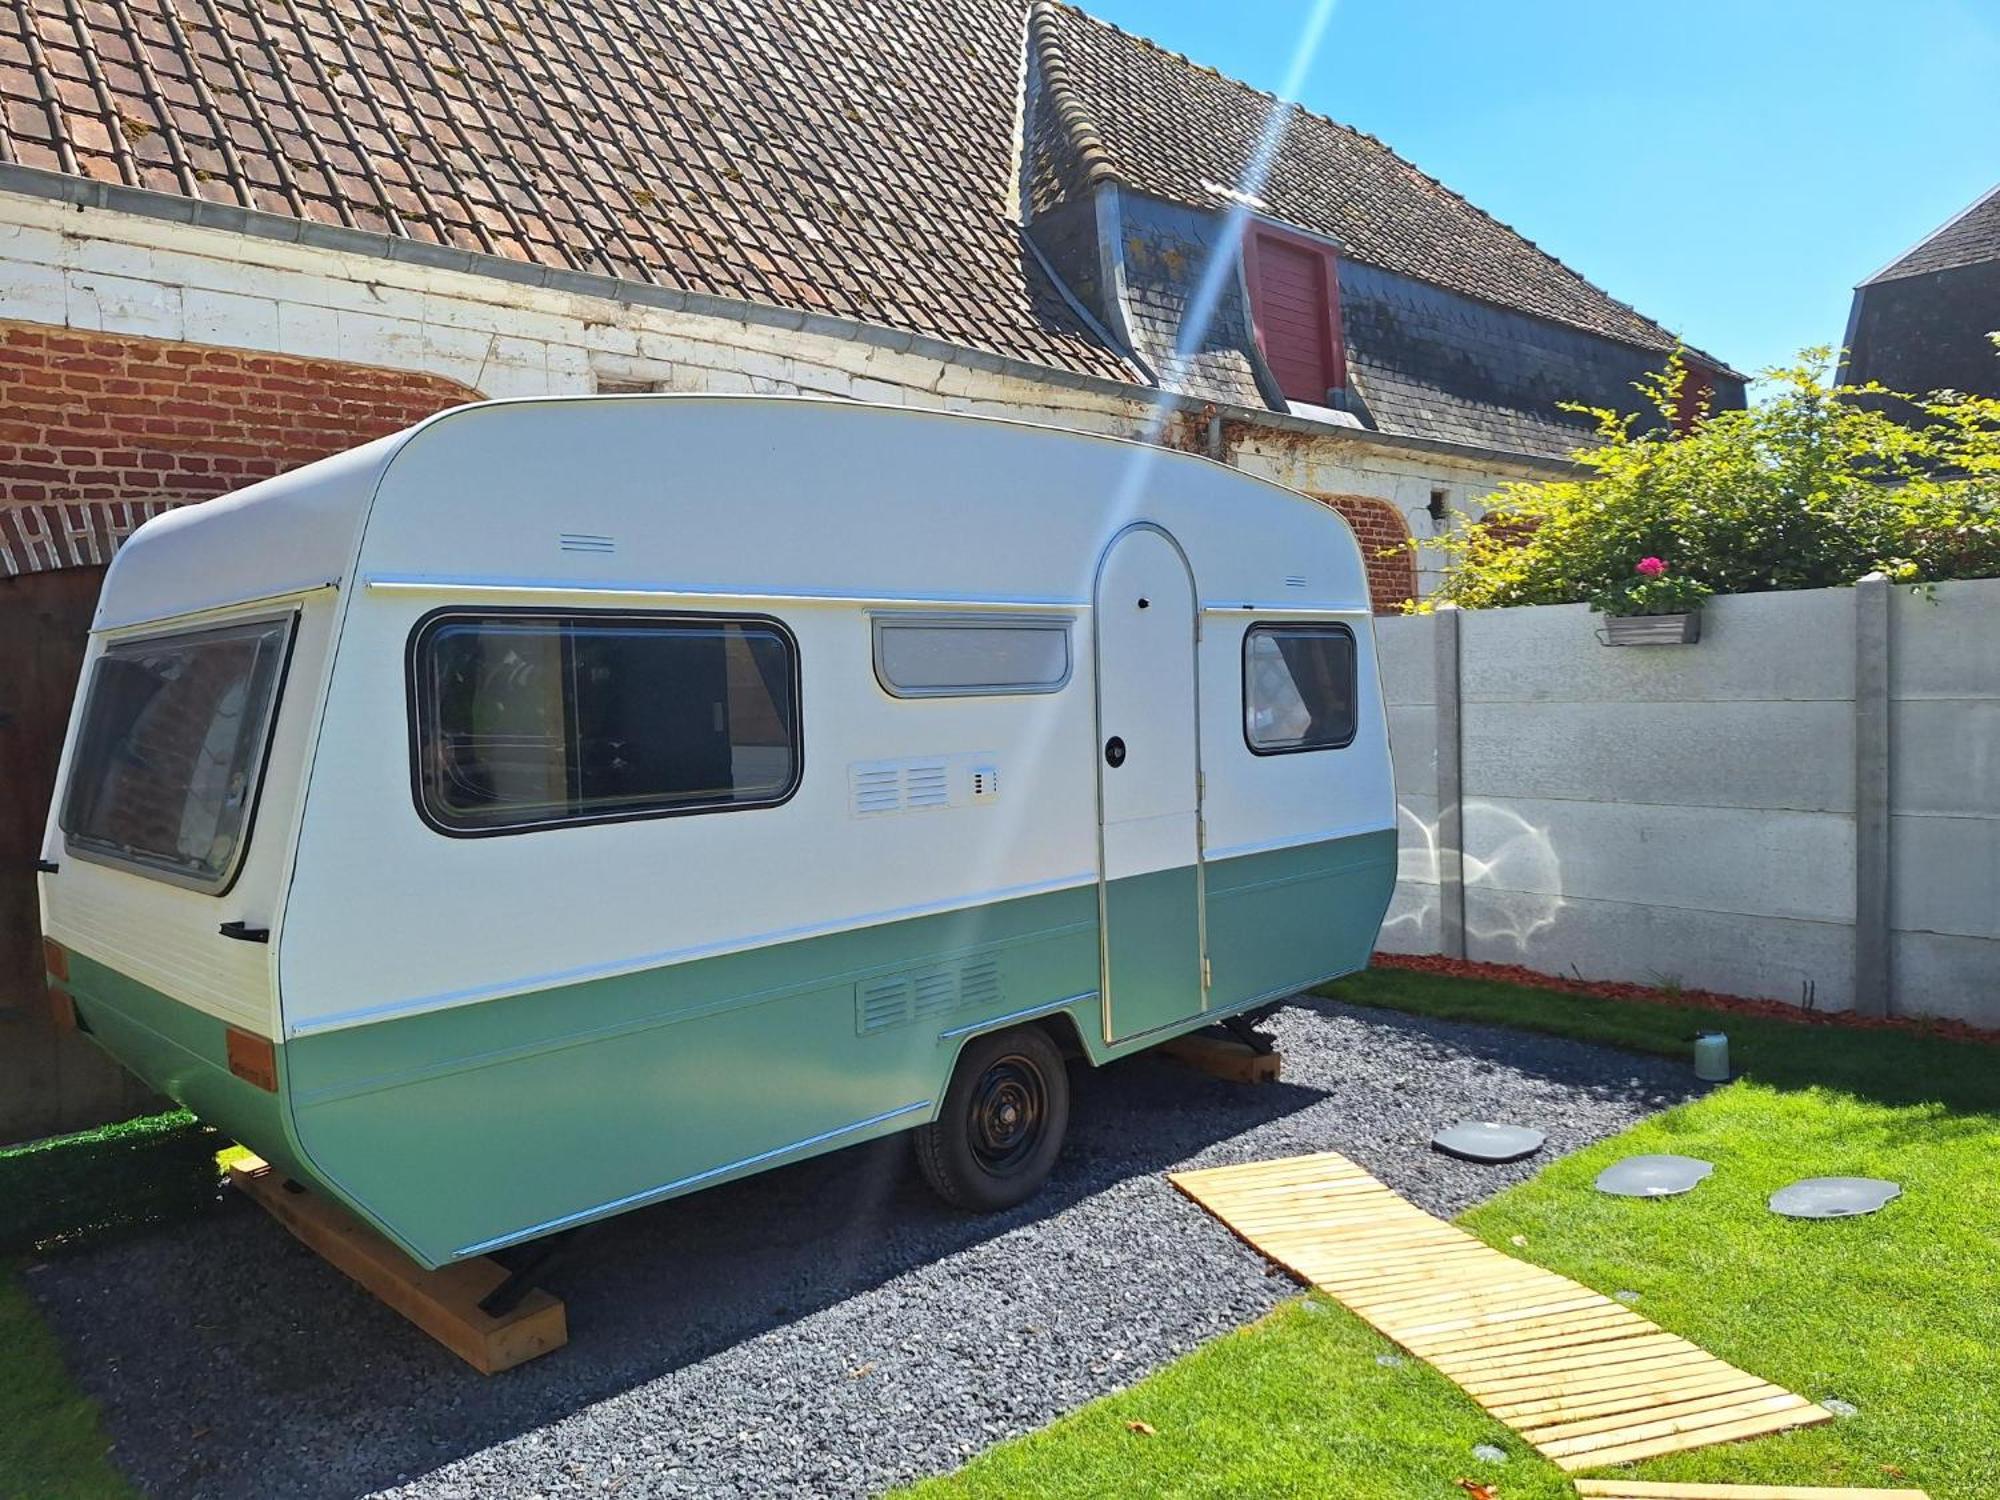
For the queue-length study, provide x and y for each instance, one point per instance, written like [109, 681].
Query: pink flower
[1652, 567]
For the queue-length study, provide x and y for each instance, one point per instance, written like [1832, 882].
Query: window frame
[253, 796]
[428, 624]
[881, 620]
[1311, 627]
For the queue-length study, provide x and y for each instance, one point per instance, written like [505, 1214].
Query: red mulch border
[1614, 989]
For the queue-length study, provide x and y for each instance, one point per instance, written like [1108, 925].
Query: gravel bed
[825, 1329]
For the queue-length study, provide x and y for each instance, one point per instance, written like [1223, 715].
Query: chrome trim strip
[1012, 1017]
[1288, 611]
[639, 1200]
[559, 588]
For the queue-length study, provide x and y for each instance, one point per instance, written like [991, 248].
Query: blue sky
[1729, 167]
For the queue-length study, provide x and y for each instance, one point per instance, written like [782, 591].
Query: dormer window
[1295, 309]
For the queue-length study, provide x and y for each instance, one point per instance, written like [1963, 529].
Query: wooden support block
[443, 1303]
[1225, 1057]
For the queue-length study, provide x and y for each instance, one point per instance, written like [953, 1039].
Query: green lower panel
[1286, 918]
[1152, 938]
[502, 1119]
[180, 1052]
[475, 1124]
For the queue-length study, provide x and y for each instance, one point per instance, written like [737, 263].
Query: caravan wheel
[1002, 1124]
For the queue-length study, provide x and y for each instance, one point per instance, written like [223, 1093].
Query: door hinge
[1207, 974]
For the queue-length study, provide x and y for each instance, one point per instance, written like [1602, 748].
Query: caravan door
[1149, 785]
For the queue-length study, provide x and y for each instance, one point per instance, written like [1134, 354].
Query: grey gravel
[822, 1330]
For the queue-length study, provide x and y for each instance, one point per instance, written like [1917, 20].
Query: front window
[1298, 687]
[170, 751]
[525, 721]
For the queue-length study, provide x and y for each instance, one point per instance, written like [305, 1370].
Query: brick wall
[1385, 545]
[97, 431]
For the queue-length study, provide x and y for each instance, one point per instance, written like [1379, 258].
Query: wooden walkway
[1631, 1489]
[1583, 1378]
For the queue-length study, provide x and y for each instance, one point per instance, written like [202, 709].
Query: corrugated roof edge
[83, 192]
[1719, 365]
[1887, 272]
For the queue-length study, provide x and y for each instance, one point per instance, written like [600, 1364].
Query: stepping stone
[1653, 1176]
[1833, 1197]
[1488, 1141]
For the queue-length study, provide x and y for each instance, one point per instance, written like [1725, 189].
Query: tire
[1001, 1126]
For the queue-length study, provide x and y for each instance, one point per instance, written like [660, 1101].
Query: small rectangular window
[523, 721]
[936, 656]
[1298, 687]
[171, 749]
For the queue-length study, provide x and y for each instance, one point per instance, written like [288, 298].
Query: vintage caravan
[567, 804]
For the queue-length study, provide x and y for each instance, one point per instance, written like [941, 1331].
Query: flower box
[1651, 630]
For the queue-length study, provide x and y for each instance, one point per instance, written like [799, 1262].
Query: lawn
[78, 1188]
[1897, 1313]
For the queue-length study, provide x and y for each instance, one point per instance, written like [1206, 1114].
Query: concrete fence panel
[1803, 806]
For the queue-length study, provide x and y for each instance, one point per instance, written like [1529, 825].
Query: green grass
[51, 1443]
[1898, 1313]
[57, 1194]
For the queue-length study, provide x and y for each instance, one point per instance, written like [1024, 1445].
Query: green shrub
[1814, 486]
[114, 1178]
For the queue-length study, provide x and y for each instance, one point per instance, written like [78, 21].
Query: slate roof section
[1174, 129]
[815, 155]
[1971, 239]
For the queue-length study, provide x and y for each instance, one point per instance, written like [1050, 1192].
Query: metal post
[1450, 814]
[1873, 983]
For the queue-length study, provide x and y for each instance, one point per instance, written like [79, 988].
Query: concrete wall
[1701, 815]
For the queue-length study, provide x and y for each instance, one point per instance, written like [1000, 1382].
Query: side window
[938, 656]
[524, 721]
[1298, 687]
[170, 750]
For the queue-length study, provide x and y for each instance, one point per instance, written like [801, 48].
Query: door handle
[245, 934]
[1114, 752]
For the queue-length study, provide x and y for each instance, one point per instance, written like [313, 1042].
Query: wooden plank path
[1587, 1381]
[1630, 1489]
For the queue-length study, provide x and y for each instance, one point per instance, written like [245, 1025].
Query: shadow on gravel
[229, 1357]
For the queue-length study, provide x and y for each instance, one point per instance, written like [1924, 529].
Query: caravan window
[941, 656]
[1298, 687]
[170, 751]
[526, 720]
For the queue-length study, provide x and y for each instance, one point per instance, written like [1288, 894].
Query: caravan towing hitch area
[828, 1329]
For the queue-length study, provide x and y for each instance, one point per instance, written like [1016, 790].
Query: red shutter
[1295, 307]
[1697, 390]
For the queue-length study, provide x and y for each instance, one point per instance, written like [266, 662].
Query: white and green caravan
[567, 804]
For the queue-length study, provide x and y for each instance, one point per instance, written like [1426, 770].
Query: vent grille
[1295, 580]
[877, 789]
[585, 541]
[887, 786]
[890, 1000]
[881, 1003]
[927, 784]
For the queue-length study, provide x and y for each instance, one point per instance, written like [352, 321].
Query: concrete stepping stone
[1834, 1197]
[1654, 1176]
[1488, 1141]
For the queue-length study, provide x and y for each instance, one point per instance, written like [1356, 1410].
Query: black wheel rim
[1010, 1108]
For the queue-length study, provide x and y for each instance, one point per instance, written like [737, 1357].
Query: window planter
[1651, 630]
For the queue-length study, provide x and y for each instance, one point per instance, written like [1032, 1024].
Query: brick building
[235, 237]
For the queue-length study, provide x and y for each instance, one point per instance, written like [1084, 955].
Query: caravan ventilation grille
[887, 786]
[585, 541]
[889, 1000]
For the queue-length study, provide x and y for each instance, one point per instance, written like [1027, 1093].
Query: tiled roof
[1166, 126]
[814, 154]
[1970, 239]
